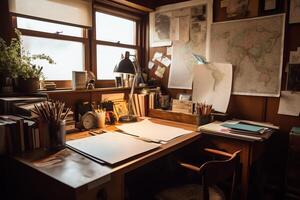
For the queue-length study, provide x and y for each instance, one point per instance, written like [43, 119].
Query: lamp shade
[125, 66]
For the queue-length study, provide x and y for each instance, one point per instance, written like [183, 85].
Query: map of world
[254, 47]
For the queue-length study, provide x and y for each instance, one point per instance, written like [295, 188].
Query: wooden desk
[76, 177]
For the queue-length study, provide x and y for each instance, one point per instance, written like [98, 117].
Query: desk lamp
[127, 67]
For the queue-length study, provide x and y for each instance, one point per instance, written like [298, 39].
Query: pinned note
[165, 61]
[157, 56]
[150, 64]
[289, 103]
[160, 71]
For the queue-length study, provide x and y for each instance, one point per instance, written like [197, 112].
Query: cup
[203, 119]
[164, 101]
[53, 134]
[101, 119]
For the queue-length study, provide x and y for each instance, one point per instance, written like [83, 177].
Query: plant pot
[6, 84]
[29, 85]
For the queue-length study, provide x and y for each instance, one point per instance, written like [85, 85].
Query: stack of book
[240, 129]
[25, 110]
[70, 122]
[153, 100]
[140, 104]
[7, 104]
[49, 85]
[244, 128]
[18, 135]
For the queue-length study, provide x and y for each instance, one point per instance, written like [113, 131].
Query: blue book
[295, 130]
[245, 127]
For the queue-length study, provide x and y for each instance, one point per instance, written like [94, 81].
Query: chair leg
[232, 192]
[205, 189]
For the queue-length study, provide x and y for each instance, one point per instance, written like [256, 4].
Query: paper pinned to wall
[196, 42]
[169, 51]
[294, 11]
[175, 29]
[165, 61]
[150, 64]
[212, 84]
[295, 56]
[184, 31]
[289, 103]
[160, 71]
[181, 71]
[157, 56]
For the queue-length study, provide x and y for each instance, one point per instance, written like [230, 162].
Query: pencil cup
[53, 134]
[101, 119]
[203, 119]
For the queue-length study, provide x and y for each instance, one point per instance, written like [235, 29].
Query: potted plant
[9, 63]
[20, 65]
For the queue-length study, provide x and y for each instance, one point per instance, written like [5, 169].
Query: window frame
[138, 40]
[33, 33]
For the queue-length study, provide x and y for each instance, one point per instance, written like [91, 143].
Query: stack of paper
[111, 147]
[153, 131]
[234, 129]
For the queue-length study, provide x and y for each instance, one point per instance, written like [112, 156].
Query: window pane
[107, 58]
[48, 27]
[113, 29]
[68, 56]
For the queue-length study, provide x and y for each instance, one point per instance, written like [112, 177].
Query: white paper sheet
[181, 71]
[169, 51]
[150, 64]
[289, 103]
[295, 56]
[166, 61]
[153, 131]
[157, 56]
[160, 71]
[212, 85]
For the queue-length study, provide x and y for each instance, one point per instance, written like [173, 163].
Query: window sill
[69, 90]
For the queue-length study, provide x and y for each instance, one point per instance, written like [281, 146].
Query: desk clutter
[18, 134]
[132, 140]
[240, 129]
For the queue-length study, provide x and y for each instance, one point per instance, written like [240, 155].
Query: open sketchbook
[153, 131]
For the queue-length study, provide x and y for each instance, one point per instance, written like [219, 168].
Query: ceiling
[154, 3]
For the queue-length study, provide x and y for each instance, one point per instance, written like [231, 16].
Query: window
[65, 44]
[114, 36]
[48, 27]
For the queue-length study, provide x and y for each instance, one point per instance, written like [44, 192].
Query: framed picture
[79, 79]
[268, 7]
[184, 97]
[120, 108]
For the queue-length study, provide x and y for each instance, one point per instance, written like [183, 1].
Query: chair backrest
[216, 171]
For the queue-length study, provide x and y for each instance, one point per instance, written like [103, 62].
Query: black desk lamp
[127, 67]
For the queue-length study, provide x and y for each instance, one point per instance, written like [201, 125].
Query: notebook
[245, 127]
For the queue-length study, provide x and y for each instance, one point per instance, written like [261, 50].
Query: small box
[182, 106]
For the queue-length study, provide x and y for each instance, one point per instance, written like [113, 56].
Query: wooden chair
[211, 173]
